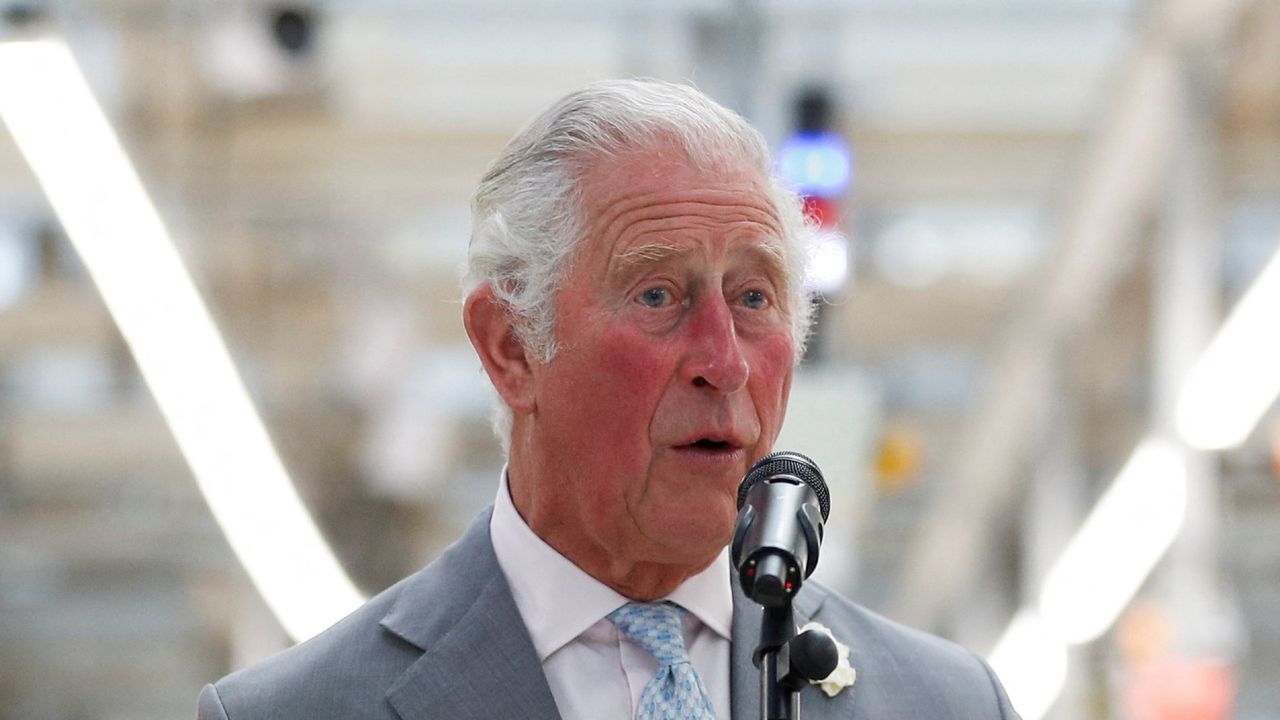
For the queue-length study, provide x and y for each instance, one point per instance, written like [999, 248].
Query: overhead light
[1237, 377]
[1125, 535]
[1031, 662]
[78, 161]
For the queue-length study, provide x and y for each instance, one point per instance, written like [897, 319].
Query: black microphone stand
[788, 662]
[779, 698]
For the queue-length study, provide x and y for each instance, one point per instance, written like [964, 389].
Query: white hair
[527, 213]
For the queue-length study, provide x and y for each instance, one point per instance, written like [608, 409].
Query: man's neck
[637, 579]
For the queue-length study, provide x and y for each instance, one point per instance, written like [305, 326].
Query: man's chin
[696, 541]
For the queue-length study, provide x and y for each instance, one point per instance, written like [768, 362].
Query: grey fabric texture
[448, 642]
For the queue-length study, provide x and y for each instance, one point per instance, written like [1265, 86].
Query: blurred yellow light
[897, 461]
[78, 161]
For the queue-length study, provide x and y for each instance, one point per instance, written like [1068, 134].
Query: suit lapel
[478, 661]
[744, 676]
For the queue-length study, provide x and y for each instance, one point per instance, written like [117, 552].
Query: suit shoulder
[347, 670]
[878, 630]
[330, 675]
[893, 659]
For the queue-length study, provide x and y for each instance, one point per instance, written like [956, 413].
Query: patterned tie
[677, 692]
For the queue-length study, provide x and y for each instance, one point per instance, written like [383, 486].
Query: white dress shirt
[595, 673]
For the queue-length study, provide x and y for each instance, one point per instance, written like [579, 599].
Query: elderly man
[634, 295]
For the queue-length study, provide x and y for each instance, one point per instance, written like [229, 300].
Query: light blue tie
[677, 692]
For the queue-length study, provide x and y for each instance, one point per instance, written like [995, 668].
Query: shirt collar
[558, 600]
[708, 596]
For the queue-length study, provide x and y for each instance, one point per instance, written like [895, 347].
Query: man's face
[674, 364]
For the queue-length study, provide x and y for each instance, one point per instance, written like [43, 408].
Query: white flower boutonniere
[844, 675]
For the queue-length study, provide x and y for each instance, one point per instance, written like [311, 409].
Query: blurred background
[1038, 214]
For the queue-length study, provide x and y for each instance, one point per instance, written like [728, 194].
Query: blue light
[818, 164]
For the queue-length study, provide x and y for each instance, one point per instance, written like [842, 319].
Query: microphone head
[792, 465]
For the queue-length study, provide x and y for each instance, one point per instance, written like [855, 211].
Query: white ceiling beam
[1121, 179]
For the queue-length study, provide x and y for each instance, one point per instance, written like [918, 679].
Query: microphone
[782, 505]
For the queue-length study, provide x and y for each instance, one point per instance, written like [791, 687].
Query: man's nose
[715, 358]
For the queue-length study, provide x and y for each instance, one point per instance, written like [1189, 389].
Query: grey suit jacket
[448, 642]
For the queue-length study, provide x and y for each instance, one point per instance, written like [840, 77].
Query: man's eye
[655, 297]
[755, 299]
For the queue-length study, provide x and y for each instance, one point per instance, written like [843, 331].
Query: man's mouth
[711, 448]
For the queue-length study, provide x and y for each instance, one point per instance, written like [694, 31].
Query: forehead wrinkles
[711, 206]
[726, 212]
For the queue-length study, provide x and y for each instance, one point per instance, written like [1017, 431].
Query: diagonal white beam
[97, 196]
[1121, 180]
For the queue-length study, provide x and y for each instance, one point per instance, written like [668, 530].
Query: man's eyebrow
[649, 254]
[656, 252]
[773, 256]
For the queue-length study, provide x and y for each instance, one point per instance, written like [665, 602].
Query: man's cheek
[772, 357]
[627, 376]
[634, 361]
[771, 374]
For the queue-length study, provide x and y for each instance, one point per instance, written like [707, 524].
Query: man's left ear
[492, 333]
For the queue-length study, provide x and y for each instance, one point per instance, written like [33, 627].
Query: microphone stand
[789, 662]
[779, 696]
